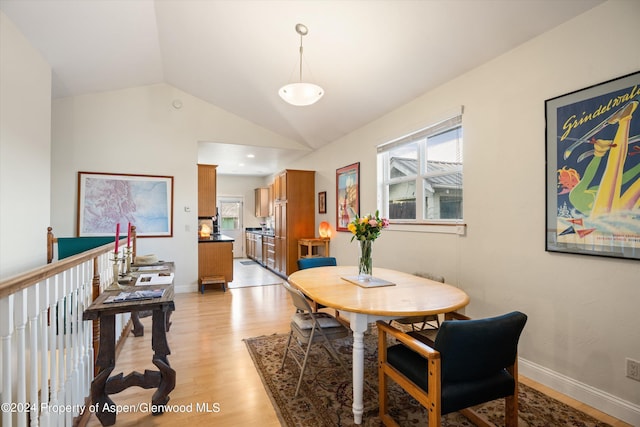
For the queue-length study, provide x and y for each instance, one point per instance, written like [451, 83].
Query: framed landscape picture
[105, 200]
[347, 195]
[593, 170]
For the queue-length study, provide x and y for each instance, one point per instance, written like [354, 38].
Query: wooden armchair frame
[431, 400]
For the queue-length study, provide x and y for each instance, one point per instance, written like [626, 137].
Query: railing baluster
[33, 295]
[88, 330]
[20, 318]
[75, 375]
[6, 331]
[53, 355]
[68, 350]
[80, 337]
[44, 350]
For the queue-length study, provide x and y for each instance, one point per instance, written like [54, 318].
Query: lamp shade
[325, 230]
[301, 94]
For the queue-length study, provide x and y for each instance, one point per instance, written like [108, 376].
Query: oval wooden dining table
[404, 295]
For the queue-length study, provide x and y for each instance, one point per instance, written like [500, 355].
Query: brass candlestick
[124, 262]
[129, 256]
[116, 273]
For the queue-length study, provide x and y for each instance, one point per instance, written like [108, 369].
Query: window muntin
[425, 166]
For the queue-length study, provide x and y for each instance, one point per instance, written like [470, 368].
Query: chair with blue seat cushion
[313, 262]
[471, 362]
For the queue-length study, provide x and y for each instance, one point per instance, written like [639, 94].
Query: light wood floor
[213, 365]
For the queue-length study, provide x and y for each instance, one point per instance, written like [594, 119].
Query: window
[420, 175]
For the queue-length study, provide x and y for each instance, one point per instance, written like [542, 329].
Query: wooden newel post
[49, 245]
[95, 293]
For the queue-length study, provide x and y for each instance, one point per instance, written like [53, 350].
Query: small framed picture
[347, 195]
[322, 202]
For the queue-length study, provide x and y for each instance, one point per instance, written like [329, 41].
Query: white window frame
[456, 226]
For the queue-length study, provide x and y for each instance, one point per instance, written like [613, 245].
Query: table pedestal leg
[359, 327]
[105, 408]
[160, 353]
[138, 327]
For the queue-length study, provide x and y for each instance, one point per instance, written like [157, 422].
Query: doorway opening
[231, 220]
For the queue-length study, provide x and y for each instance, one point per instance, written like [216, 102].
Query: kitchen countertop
[215, 238]
[259, 231]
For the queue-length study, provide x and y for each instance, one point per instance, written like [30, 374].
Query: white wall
[25, 147]
[583, 311]
[139, 131]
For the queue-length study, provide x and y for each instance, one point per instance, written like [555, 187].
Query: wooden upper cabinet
[271, 199]
[280, 187]
[263, 202]
[207, 190]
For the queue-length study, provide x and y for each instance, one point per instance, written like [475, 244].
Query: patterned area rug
[325, 396]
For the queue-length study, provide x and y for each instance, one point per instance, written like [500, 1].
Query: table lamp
[325, 230]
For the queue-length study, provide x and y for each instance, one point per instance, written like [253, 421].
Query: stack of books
[135, 296]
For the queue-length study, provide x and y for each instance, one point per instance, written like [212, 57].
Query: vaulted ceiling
[369, 56]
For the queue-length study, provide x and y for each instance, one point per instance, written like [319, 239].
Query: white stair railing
[46, 349]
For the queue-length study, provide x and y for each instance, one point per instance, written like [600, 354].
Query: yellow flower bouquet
[366, 229]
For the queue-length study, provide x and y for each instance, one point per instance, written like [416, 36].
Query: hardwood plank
[601, 416]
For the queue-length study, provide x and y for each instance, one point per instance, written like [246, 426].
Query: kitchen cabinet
[215, 258]
[207, 190]
[252, 241]
[280, 186]
[249, 245]
[269, 251]
[294, 216]
[280, 237]
[262, 202]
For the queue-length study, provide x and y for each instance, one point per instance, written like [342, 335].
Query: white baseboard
[183, 289]
[602, 401]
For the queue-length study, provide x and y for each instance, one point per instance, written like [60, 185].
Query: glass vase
[365, 263]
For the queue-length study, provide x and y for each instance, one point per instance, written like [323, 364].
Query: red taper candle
[117, 236]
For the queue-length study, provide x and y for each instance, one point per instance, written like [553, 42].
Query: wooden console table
[164, 379]
[159, 267]
[311, 243]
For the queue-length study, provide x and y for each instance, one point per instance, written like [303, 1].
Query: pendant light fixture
[301, 94]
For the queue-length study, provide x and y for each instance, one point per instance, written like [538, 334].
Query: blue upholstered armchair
[471, 362]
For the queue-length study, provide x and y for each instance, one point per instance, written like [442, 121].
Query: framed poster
[593, 170]
[106, 199]
[322, 202]
[347, 195]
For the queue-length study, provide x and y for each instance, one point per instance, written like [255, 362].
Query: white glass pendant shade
[301, 94]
